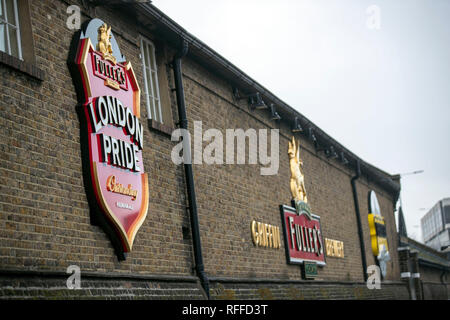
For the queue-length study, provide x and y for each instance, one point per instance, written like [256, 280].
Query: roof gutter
[434, 265]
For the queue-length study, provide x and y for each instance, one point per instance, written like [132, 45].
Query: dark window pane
[2, 12]
[3, 46]
[10, 12]
[447, 214]
[13, 41]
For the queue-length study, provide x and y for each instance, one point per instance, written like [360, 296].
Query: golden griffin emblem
[104, 44]
[297, 182]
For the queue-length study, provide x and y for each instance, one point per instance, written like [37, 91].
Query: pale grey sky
[383, 93]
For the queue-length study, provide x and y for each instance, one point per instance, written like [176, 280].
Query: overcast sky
[384, 93]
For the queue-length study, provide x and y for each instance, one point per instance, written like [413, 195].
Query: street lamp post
[401, 175]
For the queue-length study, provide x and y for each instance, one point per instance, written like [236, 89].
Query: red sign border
[289, 259]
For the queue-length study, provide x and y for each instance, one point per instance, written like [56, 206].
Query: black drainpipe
[358, 220]
[183, 122]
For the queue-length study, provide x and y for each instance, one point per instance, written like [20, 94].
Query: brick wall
[231, 196]
[53, 286]
[307, 291]
[44, 211]
[432, 275]
[44, 214]
[435, 291]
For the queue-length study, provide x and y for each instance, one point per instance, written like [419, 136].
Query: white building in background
[436, 225]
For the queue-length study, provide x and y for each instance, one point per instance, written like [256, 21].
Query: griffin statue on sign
[104, 44]
[297, 182]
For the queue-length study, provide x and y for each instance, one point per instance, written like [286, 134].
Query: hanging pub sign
[378, 236]
[111, 134]
[302, 232]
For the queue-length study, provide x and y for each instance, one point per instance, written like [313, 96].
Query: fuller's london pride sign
[112, 135]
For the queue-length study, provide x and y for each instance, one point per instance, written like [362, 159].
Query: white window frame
[10, 25]
[148, 69]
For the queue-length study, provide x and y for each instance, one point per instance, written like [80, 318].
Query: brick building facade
[429, 268]
[44, 212]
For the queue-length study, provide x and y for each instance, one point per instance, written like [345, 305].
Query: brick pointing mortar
[50, 288]
[310, 291]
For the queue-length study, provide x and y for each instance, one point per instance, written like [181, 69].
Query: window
[151, 87]
[447, 214]
[16, 38]
[9, 28]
